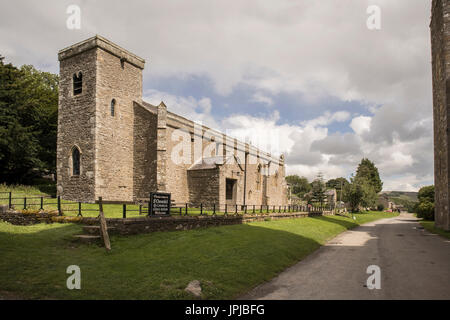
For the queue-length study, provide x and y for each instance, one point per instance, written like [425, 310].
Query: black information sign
[159, 203]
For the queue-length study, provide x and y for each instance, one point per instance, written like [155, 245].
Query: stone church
[114, 145]
[440, 52]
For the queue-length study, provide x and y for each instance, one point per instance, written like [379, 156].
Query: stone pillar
[161, 149]
[440, 51]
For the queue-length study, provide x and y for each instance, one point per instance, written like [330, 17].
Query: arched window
[75, 161]
[113, 107]
[77, 83]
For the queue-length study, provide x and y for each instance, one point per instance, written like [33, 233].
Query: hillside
[403, 195]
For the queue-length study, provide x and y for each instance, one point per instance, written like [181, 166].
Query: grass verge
[227, 260]
[429, 226]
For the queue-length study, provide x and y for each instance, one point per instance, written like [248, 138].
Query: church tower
[99, 82]
[440, 51]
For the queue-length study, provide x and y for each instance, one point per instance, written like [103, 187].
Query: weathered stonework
[128, 154]
[26, 219]
[440, 47]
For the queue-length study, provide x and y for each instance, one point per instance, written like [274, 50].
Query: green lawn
[228, 260]
[429, 226]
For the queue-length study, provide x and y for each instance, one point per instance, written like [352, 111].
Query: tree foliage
[368, 170]
[359, 193]
[425, 207]
[318, 189]
[338, 184]
[299, 185]
[28, 122]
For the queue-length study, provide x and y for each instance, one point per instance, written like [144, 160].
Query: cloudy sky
[306, 78]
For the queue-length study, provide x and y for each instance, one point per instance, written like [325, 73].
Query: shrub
[425, 210]
[380, 207]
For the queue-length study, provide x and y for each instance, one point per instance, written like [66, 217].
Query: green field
[227, 260]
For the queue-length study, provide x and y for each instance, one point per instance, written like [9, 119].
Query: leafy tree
[426, 194]
[300, 185]
[367, 169]
[28, 122]
[425, 207]
[318, 189]
[359, 193]
[338, 184]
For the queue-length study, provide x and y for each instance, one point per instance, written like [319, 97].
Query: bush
[380, 207]
[425, 210]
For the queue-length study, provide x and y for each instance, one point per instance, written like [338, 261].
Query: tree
[28, 122]
[367, 169]
[299, 185]
[318, 189]
[426, 194]
[338, 184]
[359, 193]
[425, 207]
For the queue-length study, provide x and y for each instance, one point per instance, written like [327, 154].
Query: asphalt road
[414, 264]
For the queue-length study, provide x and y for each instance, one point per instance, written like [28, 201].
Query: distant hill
[404, 198]
[405, 195]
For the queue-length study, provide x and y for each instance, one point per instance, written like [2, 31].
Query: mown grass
[227, 260]
[429, 226]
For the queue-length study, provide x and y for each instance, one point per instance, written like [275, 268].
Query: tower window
[113, 107]
[77, 83]
[75, 161]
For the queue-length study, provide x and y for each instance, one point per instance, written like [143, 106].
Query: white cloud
[327, 118]
[261, 98]
[361, 124]
[189, 107]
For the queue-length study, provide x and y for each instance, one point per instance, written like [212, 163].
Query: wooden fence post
[42, 203]
[103, 227]
[79, 209]
[24, 203]
[10, 200]
[124, 211]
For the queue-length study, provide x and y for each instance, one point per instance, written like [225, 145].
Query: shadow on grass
[347, 223]
[227, 260]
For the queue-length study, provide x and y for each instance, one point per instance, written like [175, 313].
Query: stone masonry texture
[440, 48]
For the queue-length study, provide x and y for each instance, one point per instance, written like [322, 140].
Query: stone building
[440, 51]
[114, 145]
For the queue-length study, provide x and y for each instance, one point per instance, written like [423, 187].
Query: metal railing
[55, 203]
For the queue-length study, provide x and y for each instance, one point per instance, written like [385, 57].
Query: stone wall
[144, 153]
[440, 47]
[121, 81]
[76, 125]
[131, 226]
[203, 186]
[25, 219]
